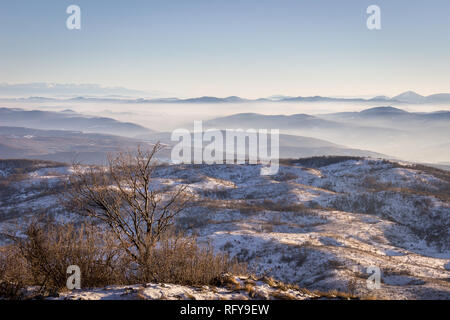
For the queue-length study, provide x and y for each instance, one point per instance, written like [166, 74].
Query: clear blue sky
[249, 48]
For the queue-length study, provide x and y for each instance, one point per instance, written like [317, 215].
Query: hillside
[61, 145]
[290, 146]
[319, 223]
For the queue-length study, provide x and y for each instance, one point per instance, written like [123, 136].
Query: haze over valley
[407, 127]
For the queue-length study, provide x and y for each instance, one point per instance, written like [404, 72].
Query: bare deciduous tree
[124, 197]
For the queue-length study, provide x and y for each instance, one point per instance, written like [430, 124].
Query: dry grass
[282, 295]
[48, 249]
[181, 260]
[285, 176]
[41, 259]
[439, 190]
[335, 294]
[279, 284]
[255, 207]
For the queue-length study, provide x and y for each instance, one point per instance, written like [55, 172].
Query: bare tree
[124, 196]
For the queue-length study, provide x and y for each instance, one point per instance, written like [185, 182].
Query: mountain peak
[410, 93]
[409, 96]
[383, 110]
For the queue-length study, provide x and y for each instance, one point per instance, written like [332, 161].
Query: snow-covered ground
[236, 288]
[319, 228]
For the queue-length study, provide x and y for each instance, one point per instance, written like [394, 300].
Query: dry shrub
[367, 203]
[181, 260]
[14, 274]
[285, 176]
[42, 257]
[49, 249]
[283, 206]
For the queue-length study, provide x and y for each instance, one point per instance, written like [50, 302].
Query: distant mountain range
[358, 120]
[387, 130]
[304, 124]
[66, 89]
[66, 135]
[408, 97]
[68, 120]
[412, 97]
[394, 117]
[408, 135]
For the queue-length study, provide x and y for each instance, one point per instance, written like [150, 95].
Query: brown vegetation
[127, 238]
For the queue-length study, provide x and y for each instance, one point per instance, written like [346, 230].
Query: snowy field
[318, 227]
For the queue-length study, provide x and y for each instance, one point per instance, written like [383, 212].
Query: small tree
[124, 197]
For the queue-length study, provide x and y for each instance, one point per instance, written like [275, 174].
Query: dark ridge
[27, 165]
[320, 161]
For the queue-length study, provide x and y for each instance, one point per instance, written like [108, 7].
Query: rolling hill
[48, 120]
